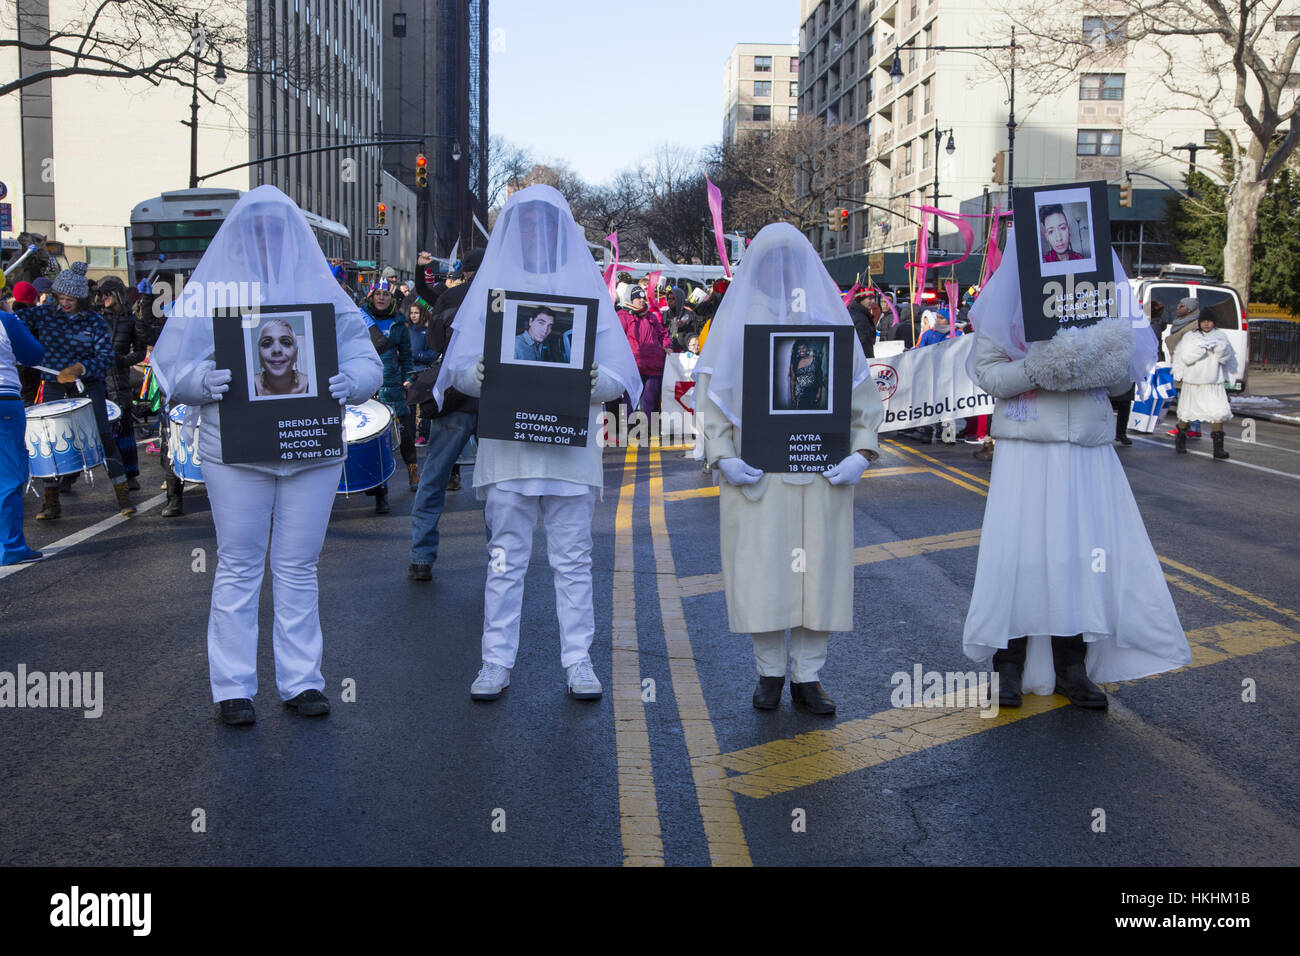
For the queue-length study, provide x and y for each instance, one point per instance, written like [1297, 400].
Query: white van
[1177, 281]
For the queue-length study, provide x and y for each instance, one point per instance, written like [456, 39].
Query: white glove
[595, 374]
[216, 381]
[847, 472]
[340, 387]
[479, 369]
[737, 472]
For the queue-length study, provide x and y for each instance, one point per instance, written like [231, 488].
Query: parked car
[1177, 281]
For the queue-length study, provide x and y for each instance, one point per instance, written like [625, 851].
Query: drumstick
[17, 262]
[41, 368]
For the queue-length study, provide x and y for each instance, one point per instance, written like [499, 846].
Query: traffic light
[383, 213]
[1126, 193]
[421, 171]
[837, 220]
[844, 220]
[1000, 167]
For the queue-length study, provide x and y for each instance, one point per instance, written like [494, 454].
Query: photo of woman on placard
[277, 361]
[807, 377]
[1055, 239]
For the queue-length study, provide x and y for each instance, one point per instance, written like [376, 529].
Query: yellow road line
[943, 471]
[637, 806]
[698, 584]
[722, 829]
[784, 765]
[1232, 589]
[711, 491]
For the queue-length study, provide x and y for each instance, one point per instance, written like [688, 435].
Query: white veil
[537, 247]
[781, 281]
[263, 254]
[998, 315]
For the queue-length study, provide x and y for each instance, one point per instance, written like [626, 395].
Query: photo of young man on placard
[543, 335]
[280, 356]
[801, 374]
[1064, 223]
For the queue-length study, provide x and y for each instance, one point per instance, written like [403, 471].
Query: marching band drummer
[266, 242]
[17, 346]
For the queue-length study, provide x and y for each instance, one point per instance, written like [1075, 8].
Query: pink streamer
[715, 207]
[922, 262]
[951, 288]
[651, 296]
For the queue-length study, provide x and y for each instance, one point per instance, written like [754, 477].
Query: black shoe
[1010, 664]
[1068, 655]
[237, 712]
[1180, 440]
[453, 482]
[811, 698]
[132, 484]
[381, 500]
[767, 695]
[173, 508]
[310, 703]
[420, 572]
[1123, 439]
[1218, 445]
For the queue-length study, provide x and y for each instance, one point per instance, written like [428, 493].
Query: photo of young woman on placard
[280, 357]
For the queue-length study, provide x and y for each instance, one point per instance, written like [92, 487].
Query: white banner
[677, 401]
[925, 385]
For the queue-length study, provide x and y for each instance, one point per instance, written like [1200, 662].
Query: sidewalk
[1271, 396]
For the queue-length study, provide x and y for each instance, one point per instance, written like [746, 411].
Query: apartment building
[760, 88]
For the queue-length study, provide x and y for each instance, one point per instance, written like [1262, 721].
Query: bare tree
[794, 174]
[1230, 62]
[508, 164]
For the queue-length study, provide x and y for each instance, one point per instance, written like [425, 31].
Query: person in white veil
[769, 521]
[537, 247]
[265, 249]
[1068, 589]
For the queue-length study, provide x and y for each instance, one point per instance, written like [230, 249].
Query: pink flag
[715, 207]
[651, 295]
[922, 262]
[612, 269]
[951, 288]
[848, 296]
[963, 228]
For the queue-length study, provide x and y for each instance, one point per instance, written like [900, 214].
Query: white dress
[1064, 551]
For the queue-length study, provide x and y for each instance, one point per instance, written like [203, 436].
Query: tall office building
[435, 58]
[760, 88]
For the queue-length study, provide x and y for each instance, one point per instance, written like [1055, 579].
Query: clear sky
[599, 85]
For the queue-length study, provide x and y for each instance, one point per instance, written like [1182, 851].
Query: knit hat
[42, 285]
[72, 282]
[636, 293]
[1191, 304]
[25, 293]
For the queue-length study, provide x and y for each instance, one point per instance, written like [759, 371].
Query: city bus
[178, 225]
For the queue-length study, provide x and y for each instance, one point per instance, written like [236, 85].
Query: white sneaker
[583, 684]
[491, 681]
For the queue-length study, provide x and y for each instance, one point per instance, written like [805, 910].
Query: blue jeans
[13, 476]
[448, 435]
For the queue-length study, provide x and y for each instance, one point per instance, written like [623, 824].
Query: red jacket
[649, 339]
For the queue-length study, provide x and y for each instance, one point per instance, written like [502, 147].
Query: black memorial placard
[1067, 275]
[537, 355]
[797, 396]
[279, 407]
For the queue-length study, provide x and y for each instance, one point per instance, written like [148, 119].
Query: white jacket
[1204, 358]
[1081, 417]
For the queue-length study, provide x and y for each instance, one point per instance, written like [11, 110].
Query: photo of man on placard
[1064, 221]
[543, 334]
[279, 355]
[801, 374]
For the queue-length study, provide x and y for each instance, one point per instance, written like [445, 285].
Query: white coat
[1203, 358]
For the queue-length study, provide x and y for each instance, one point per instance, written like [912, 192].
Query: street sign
[4, 190]
[876, 263]
[376, 232]
[6, 217]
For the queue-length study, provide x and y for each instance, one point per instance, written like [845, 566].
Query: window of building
[871, 87]
[762, 87]
[1213, 137]
[105, 257]
[762, 113]
[925, 98]
[927, 40]
[794, 64]
[762, 64]
[794, 113]
[1103, 31]
[907, 160]
[1287, 24]
[794, 88]
[908, 101]
[1101, 86]
[1098, 142]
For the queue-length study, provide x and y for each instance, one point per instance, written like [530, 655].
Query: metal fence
[1274, 345]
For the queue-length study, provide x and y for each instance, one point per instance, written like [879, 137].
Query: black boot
[1068, 655]
[53, 509]
[812, 698]
[1010, 665]
[381, 500]
[1180, 440]
[1218, 444]
[767, 695]
[175, 493]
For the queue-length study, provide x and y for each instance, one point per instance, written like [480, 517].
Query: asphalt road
[1184, 770]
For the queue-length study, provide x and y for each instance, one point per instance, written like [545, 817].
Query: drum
[62, 438]
[368, 431]
[114, 412]
[183, 446]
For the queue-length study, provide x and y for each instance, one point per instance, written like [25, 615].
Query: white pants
[807, 653]
[511, 519]
[244, 502]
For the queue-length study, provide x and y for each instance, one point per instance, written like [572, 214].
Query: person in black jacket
[130, 339]
[865, 312]
[450, 427]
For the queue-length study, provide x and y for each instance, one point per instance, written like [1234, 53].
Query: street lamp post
[220, 77]
[1192, 149]
[950, 149]
[896, 74]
